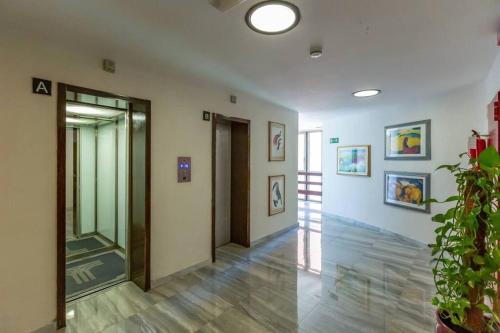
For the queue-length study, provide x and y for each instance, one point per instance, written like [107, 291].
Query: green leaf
[429, 201]
[440, 218]
[484, 308]
[496, 256]
[489, 158]
[495, 218]
[478, 260]
[492, 293]
[450, 167]
[453, 198]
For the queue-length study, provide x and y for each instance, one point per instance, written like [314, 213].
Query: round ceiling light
[367, 93]
[273, 17]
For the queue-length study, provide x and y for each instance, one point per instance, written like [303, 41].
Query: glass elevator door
[139, 193]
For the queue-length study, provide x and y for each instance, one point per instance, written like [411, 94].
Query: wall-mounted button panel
[183, 169]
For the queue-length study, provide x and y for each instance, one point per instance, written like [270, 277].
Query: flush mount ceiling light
[94, 111]
[273, 17]
[80, 121]
[367, 93]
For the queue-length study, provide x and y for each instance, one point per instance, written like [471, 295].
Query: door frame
[61, 191]
[216, 119]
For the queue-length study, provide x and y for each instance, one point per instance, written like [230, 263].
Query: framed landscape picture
[276, 197]
[407, 190]
[410, 141]
[354, 160]
[276, 141]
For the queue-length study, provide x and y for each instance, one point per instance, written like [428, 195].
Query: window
[309, 165]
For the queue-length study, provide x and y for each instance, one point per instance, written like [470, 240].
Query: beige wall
[181, 217]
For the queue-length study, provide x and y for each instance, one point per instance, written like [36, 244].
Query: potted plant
[466, 253]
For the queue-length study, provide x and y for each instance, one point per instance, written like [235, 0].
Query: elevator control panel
[183, 169]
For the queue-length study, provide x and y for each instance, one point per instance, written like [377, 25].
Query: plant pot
[445, 326]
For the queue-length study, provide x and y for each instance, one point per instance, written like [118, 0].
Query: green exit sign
[334, 140]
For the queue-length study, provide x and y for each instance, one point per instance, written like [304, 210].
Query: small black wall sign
[42, 87]
[206, 115]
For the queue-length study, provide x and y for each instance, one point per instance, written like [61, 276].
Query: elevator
[230, 182]
[104, 186]
[96, 196]
[223, 185]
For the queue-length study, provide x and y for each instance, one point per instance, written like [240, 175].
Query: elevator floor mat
[83, 245]
[85, 275]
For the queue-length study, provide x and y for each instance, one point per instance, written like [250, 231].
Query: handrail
[305, 173]
[306, 182]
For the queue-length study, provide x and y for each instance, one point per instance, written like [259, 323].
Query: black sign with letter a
[42, 87]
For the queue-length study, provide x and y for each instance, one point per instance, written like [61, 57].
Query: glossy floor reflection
[325, 276]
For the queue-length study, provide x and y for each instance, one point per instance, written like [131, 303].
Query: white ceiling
[411, 49]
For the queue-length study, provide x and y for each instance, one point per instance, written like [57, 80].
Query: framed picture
[407, 190]
[276, 194]
[410, 141]
[354, 160]
[276, 141]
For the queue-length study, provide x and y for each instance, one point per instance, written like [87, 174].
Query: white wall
[453, 116]
[181, 217]
[492, 81]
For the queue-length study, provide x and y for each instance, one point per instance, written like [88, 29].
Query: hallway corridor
[325, 276]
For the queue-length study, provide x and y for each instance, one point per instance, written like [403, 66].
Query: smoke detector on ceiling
[316, 52]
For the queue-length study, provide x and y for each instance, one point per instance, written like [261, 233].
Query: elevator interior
[96, 193]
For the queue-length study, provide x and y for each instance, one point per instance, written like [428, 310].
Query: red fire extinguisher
[476, 144]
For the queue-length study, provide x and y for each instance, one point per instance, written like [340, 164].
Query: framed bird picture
[276, 194]
[409, 141]
[276, 141]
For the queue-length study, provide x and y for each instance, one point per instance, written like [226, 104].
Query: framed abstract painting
[276, 197]
[276, 141]
[407, 190]
[409, 141]
[354, 160]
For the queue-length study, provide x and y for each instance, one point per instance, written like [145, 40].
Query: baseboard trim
[348, 220]
[182, 272]
[273, 235]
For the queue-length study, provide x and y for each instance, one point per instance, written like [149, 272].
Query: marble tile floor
[325, 276]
